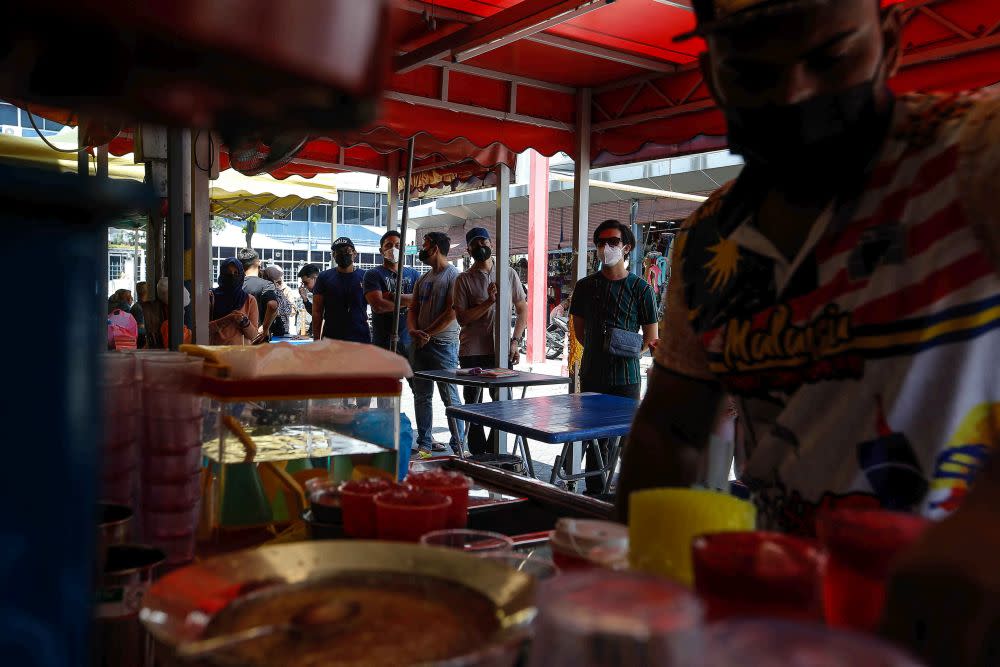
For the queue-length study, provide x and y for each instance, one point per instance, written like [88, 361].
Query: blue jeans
[435, 356]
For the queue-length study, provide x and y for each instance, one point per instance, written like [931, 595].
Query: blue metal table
[562, 419]
[522, 379]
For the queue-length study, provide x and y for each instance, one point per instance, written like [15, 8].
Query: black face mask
[227, 280]
[481, 253]
[424, 256]
[837, 134]
[343, 259]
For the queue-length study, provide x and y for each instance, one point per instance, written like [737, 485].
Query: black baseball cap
[715, 15]
[476, 233]
[343, 241]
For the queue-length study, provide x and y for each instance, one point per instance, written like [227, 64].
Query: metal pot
[180, 606]
[119, 638]
[113, 527]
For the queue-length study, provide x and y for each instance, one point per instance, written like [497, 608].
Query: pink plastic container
[171, 467]
[404, 515]
[357, 502]
[120, 460]
[172, 496]
[171, 404]
[455, 485]
[117, 490]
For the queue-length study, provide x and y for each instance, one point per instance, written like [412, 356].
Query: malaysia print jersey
[866, 367]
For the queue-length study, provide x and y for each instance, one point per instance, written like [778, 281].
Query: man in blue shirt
[380, 292]
[339, 307]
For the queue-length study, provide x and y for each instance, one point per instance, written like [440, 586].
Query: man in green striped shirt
[611, 298]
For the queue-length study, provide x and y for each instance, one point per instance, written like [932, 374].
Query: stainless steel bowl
[179, 607]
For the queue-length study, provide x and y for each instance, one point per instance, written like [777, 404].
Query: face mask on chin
[391, 255]
[612, 255]
[836, 135]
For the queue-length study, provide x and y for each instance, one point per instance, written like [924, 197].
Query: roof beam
[516, 22]
[478, 111]
[604, 53]
[657, 114]
[501, 76]
[948, 52]
[613, 55]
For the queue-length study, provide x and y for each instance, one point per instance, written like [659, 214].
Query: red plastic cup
[404, 515]
[357, 502]
[758, 574]
[455, 485]
[862, 545]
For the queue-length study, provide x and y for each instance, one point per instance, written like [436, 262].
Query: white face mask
[613, 255]
[391, 254]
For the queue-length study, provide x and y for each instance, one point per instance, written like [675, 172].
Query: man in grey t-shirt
[434, 332]
[476, 309]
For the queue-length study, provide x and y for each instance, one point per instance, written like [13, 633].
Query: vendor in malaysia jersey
[845, 289]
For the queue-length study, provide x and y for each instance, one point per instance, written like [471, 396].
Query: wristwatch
[244, 321]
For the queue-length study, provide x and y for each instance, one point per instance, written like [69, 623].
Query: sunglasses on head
[614, 242]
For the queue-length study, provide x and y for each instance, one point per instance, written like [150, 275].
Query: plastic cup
[357, 503]
[172, 496]
[118, 368]
[169, 372]
[178, 467]
[576, 542]
[592, 619]
[455, 485]
[171, 436]
[476, 542]
[539, 568]
[404, 515]
[780, 643]
[758, 574]
[861, 547]
[663, 522]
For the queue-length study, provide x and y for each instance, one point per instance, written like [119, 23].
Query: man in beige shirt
[476, 309]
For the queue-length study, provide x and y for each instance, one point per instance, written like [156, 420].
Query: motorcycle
[555, 337]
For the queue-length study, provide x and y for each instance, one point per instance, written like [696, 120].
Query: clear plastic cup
[119, 369]
[171, 404]
[476, 542]
[172, 496]
[778, 643]
[357, 502]
[178, 467]
[530, 564]
[171, 436]
[455, 485]
[170, 523]
[861, 546]
[756, 574]
[168, 372]
[592, 619]
[404, 515]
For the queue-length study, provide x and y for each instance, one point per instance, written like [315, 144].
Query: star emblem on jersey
[723, 264]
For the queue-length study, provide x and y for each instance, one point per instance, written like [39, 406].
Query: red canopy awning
[484, 71]
[477, 81]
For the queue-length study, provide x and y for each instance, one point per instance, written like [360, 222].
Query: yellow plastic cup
[662, 523]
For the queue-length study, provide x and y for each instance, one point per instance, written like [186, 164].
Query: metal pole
[175, 235]
[581, 185]
[635, 258]
[201, 233]
[398, 297]
[393, 196]
[101, 155]
[501, 267]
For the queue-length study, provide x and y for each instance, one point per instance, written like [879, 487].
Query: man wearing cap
[844, 288]
[264, 291]
[339, 307]
[476, 309]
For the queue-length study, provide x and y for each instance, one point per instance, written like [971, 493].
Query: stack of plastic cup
[171, 456]
[593, 619]
[120, 455]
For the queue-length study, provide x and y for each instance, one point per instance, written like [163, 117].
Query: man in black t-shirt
[263, 290]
